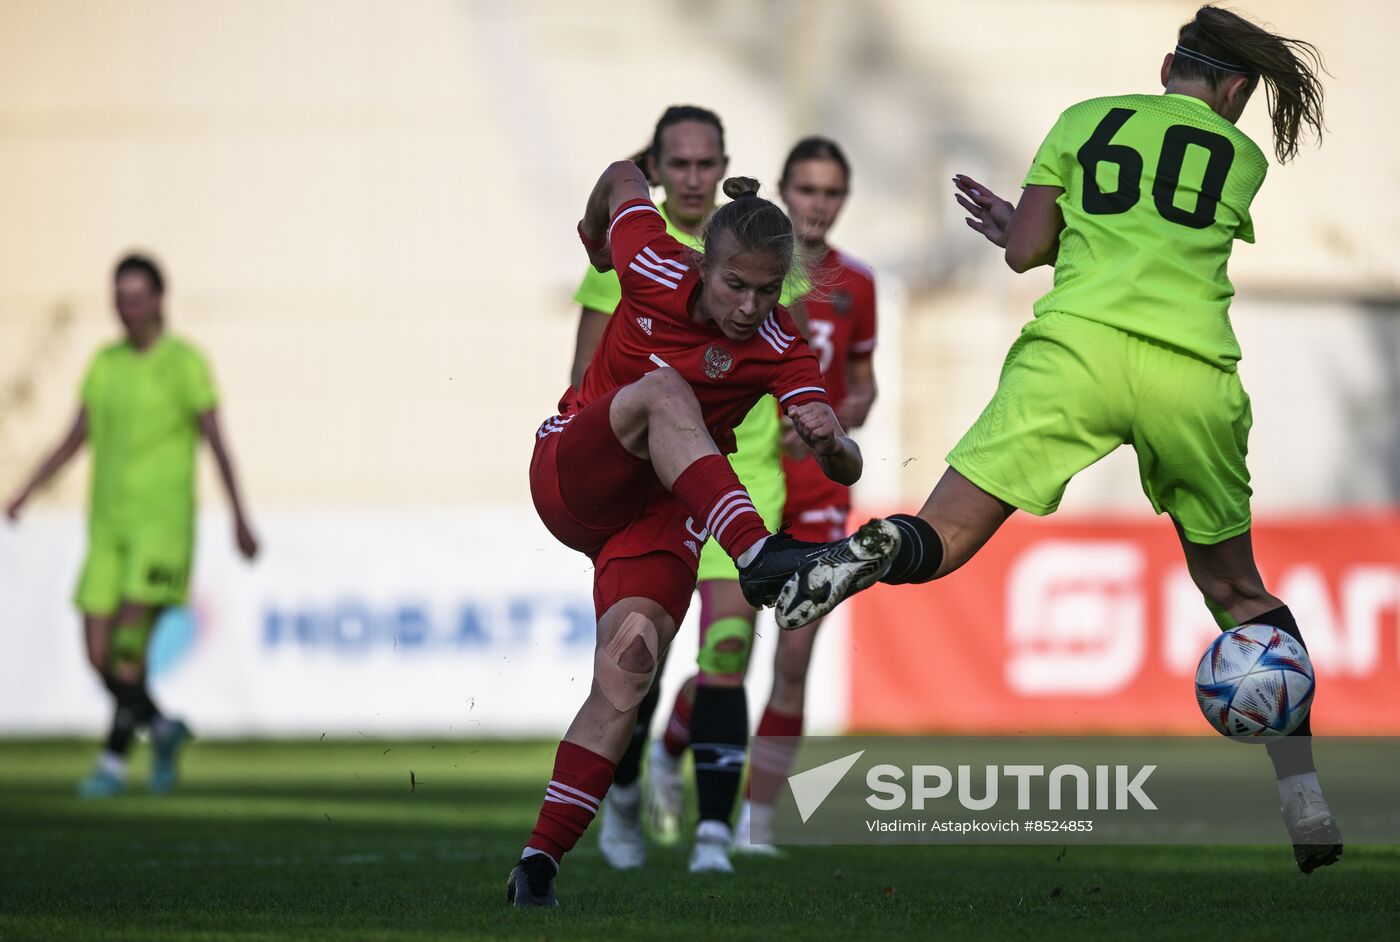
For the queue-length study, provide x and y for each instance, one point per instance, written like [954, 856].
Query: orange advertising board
[1080, 625]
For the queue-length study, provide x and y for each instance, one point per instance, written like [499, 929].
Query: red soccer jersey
[840, 328]
[652, 327]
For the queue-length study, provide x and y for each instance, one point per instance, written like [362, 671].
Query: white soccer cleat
[664, 795]
[711, 853]
[1317, 841]
[751, 837]
[620, 835]
[822, 582]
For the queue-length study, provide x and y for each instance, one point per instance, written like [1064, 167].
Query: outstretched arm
[622, 181]
[838, 455]
[243, 534]
[1030, 232]
[56, 460]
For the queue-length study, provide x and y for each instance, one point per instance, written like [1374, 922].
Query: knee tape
[1221, 616]
[625, 689]
[712, 660]
[128, 643]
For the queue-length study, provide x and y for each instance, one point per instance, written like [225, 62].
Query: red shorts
[817, 507]
[817, 524]
[598, 498]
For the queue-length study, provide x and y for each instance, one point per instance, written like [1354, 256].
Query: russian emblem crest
[718, 361]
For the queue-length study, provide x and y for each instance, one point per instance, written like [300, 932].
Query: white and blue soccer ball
[1254, 683]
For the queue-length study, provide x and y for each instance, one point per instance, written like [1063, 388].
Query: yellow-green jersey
[143, 410]
[1156, 190]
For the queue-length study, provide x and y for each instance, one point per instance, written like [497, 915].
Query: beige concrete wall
[366, 209]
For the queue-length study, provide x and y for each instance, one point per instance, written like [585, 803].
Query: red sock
[711, 491]
[677, 735]
[770, 760]
[581, 779]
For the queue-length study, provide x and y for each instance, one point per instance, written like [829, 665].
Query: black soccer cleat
[531, 882]
[1310, 857]
[839, 571]
[782, 555]
[1317, 841]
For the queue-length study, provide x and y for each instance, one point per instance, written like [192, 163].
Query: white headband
[1214, 63]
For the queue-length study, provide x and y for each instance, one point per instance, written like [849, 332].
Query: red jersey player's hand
[791, 443]
[599, 252]
[818, 427]
[990, 214]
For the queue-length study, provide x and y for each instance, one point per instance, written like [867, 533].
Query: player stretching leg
[632, 473]
[840, 326]
[145, 401]
[1134, 344]
[686, 158]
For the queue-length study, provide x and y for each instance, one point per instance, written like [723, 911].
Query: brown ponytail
[1225, 43]
[756, 224]
[737, 188]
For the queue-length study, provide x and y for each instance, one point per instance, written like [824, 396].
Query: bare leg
[719, 723]
[790, 665]
[1226, 574]
[97, 638]
[600, 726]
[658, 418]
[965, 517]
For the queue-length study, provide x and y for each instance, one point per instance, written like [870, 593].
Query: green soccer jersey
[143, 411]
[1156, 190]
[756, 438]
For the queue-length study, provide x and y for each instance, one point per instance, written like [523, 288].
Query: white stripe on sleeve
[664, 261]
[656, 278]
[661, 270]
[640, 207]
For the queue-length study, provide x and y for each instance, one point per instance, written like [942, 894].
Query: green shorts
[759, 464]
[1072, 390]
[150, 566]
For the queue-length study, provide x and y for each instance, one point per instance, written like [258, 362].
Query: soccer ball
[1254, 683]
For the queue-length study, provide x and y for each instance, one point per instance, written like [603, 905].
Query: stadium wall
[455, 624]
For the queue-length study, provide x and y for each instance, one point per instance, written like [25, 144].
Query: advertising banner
[448, 622]
[1088, 626]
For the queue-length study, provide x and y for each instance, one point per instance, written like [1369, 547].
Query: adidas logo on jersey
[645, 324]
[690, 545]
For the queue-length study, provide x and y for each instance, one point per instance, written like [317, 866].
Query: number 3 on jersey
[819, 339]
[1099, 148]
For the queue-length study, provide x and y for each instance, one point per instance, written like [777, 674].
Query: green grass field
[327, 840]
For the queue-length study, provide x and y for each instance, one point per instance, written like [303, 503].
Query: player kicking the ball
[632, 471]
[840, 327]
[1136, 201]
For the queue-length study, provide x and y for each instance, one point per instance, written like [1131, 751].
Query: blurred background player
[838, 315]
[145, 402]
[631, 471]
[687, 159]
[1134, 344]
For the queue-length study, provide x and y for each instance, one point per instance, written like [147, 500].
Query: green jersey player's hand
[989, 214]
